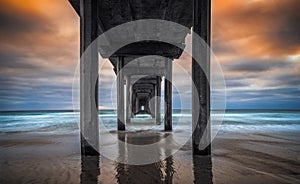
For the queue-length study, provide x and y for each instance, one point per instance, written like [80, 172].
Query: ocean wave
[232, 121]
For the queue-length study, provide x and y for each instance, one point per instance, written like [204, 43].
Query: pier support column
[128, 102]
[131, 100]
[120, 94]
[157, 103]
[137, 104]
[201, 109]
[152, 102]
[168, 96]
[89, 127]
[134, 102]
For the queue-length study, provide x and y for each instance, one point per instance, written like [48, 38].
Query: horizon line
[69, 110]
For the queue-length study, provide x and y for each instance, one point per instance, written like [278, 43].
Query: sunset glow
[257, 43]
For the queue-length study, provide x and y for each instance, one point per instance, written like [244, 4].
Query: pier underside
[139, 78]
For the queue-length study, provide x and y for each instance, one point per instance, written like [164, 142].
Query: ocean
[252, 146]
[233, 120]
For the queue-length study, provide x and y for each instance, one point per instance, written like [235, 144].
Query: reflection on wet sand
[202, 167]
[158, 172]
[90, 169]
[149, 173]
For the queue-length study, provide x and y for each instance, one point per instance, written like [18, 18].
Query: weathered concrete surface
[128, 99]
[201, 109]
[88, 79]
[158, 96]
[116, 12]
[168, 96]
[98, 16]
[120, 94]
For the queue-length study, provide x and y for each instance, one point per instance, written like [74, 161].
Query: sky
[257, 43]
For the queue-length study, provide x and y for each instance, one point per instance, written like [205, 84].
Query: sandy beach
[236, 158]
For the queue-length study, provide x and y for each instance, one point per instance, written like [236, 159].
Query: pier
[139, 79]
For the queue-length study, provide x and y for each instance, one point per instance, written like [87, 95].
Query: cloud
[39, 51]
[257, 43]
[282, 98]
[15, 21]
[254, 65]
[236, 83]
[253, 40]
[285, 79]
[252, 28]
[20, 93]
[10, 60]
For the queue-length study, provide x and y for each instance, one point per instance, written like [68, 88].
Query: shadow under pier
[161, 171]
[202, 168]
[90, 169]
[158, 172]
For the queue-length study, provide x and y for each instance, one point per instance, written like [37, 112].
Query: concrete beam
[143, 48]
[144, 71]
[142, 86]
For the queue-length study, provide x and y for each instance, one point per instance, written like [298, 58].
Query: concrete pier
[201, 92]
[120, 94]
[99, 16]
[168, 96]
[158, 100]
[128, 99]
[88, 75]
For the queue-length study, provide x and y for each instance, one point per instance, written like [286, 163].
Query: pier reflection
[202, 168]
[159, 172]
[199, 169]
[90, 169]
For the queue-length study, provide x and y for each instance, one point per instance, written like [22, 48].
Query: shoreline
[236, 158]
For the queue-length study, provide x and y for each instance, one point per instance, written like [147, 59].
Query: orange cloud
[252, 28]
[256, 41]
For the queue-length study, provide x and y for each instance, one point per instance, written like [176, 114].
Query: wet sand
[236, 158]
